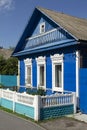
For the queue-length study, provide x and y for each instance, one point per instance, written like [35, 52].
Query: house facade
[51, 51]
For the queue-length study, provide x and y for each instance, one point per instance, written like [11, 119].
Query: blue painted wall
[48, 72]
[70, 72]
[34, 73]
[83, 90]
[22, 73]
[8, 80]
[69, 68]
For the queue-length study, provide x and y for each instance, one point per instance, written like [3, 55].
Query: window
[58, 76]
[57, 72]
[28, 75]
[42, 27]
[41, 72]
[28, 72]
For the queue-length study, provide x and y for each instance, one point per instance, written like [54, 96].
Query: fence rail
[25, 98]
[59, 99]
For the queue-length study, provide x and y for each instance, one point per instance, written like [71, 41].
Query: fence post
[37, 100]
[74, 101]
[0, 96]
[14, 94]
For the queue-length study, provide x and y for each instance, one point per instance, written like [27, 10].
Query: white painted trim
[77, 72]
[41, 61]
[57, 59]
[42, 34]
[28, 62]
[18, 79]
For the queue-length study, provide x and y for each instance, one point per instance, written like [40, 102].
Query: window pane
[28, 75]
[42, 75]
[58, 76]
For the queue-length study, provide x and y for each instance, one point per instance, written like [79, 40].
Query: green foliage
[1, 85]
[2, 63]
[9, 66]
[41, 91]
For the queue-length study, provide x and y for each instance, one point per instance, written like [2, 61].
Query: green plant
[1, 85]
[41, 91]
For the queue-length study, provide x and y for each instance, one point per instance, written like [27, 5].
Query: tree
[2, 64]
[9, 66]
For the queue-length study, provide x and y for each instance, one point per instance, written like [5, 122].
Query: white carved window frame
[41, 61]
[28, 63]
[57, 59]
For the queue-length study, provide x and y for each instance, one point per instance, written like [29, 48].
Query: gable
[32, 39]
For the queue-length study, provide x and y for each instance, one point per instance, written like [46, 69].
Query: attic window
[42, 27]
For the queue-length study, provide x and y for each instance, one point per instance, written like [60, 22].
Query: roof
[76, 26]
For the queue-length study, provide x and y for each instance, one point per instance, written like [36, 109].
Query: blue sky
[14, 15]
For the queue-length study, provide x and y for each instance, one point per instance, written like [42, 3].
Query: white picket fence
[37, 101]
[59, 99]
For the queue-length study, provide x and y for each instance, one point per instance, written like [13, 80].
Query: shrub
[1, 85]
[41, 91]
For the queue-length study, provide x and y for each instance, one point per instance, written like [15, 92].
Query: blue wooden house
[51, 51]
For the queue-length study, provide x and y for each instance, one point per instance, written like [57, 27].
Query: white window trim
[57, 59]
[41, 27]
[77, 72]
[41, 61]
[28, 62]
[18, 79]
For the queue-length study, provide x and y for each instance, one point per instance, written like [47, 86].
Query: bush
[1, 85]
[34, 91]
[41, 91]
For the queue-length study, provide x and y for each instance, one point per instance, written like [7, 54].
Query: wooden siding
[52, 36]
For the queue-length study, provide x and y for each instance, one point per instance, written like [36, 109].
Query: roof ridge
[55, 11]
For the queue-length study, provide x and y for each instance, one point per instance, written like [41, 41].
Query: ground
[64, 123]
[9, 121]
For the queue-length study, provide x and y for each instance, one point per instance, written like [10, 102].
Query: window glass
[42, 75]
[58, 76]
[28, 74]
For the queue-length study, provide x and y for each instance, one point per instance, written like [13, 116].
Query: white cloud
[6, 4]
